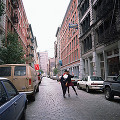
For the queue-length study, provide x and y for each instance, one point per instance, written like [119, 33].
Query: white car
[75, 79]
[90, 83]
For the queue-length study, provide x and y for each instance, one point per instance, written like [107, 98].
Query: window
[87, 43]
[76, 40]
[5, 71]
[77, 53]
[10, 89]
[20, 71]
[95, 78]
[3, 95]
[113, 66]
[118, 78]
[86, 24]
[72, 43]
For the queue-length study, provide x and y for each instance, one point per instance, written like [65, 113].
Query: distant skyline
[45, 16]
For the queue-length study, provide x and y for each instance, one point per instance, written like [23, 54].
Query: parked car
[90, 83]
[12, 103]
[75, 79]
[23, 76]
[112, 88]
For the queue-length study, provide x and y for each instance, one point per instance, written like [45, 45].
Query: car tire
[87, 89]
[78, 86]
[108, 94]
[37, 90]
[33, 97]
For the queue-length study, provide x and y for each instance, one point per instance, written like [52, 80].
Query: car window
[5, 71]
[76, 77]
[95, 78]
[20, 71]
[10, 89]
[3, 95]
[118, 78]
[84, 79]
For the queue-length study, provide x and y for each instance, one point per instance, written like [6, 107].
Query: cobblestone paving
[50, 105]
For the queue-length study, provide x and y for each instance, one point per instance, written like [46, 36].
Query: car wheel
[87, 89]
[33, 97]
[108, 94]
[37, 90]
[78, 86]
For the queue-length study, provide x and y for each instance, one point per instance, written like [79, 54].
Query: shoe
[76, 94]
[68, 94]
[64, 96]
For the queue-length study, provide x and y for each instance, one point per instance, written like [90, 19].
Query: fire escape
[109, 13]
[14, 16]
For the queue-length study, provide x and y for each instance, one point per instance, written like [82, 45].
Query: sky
[45, 16]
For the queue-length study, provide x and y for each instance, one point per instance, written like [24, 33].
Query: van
[23, 76]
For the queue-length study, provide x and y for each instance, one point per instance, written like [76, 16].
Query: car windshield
[5, 71]
[76, 77]
[95, 78]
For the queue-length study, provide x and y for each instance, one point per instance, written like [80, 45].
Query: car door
[83, 83]
[15, 98]
[116, 85]
[6, 107]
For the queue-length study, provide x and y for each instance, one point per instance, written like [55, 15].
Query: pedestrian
[63, 82]
[69, 83]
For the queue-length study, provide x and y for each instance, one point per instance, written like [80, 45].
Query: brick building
[15, 20]
[70, 49]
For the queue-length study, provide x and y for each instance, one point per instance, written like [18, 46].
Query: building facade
[15, 20]
[99, 37]
[51, 67]
[70, 49]
[43, 61]
[58, 51]
[31, 47]
[2, 23]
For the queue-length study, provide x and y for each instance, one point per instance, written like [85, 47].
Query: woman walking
[63, 82]
[69, 83]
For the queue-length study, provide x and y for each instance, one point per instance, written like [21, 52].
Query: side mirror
[115, 79]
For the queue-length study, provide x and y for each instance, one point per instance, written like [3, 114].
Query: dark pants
[73, 89]
[64, 88]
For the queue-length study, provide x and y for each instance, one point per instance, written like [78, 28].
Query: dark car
[112, 88]
[12, 103]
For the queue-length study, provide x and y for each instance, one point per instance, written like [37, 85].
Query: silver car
[90, 83]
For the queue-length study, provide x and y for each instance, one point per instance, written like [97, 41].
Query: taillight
[72, 80]
[29, 81]
[38, 77]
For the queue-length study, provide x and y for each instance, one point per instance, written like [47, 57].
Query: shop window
[113, 66]
[109, 53]
[116, 51]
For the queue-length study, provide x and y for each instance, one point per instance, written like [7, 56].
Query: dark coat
[69, 78]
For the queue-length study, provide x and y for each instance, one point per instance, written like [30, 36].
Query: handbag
[70, 84]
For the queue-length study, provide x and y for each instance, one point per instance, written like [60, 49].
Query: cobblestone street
[50, 104]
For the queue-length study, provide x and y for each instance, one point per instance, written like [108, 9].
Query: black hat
[66, 70]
